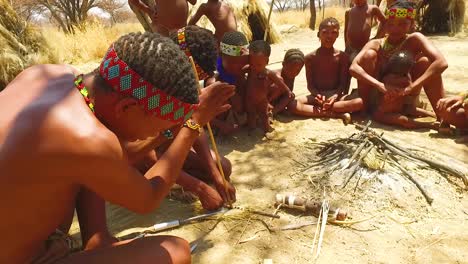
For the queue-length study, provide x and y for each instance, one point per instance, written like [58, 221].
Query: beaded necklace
[83, 91]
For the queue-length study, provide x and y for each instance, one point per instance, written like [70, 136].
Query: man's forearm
[166, 171]
[436, 68]
[202, 148]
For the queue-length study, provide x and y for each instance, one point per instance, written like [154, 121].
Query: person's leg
[194, 166]
[370, 65]
[282, 102]
[91, 211]
[156, 249]
[434, 87]
[348, 104]
[304, 106]
[419, 112]
[401, 121]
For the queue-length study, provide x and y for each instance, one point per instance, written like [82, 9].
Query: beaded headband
[232, 50]
[408, 13]
[126, 81]
[202, 75]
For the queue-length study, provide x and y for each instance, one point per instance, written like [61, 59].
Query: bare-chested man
[327, 79]
[166, 16]
[429, 62]
[69, 128]
[220, 15]
[358, 25]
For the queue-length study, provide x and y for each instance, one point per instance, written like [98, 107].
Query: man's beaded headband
[232, 50]
[126, 81]
[408, 13]
[202, 75]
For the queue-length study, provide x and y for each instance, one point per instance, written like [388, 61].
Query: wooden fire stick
[210, 132]
[268, 22]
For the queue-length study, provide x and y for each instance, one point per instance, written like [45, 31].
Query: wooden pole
[268, 22]
[210, 133]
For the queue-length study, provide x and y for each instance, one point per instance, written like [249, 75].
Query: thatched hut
[441, 16]
[20, 45]
[252, 19]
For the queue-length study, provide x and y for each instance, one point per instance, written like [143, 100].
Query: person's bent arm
[123, 185]
[439, 63]
[200, 12]
[359, 73]
[310, 82]
[142, 6]
[346, 28]
[382, 20]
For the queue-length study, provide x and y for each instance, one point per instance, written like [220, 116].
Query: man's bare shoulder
[310, 56]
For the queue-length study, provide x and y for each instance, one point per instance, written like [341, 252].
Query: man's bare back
[220, 15]
[358, 25]
[43, 136]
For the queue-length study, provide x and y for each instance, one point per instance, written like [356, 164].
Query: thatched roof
[252, 16]
[20, 45]
[441, 16]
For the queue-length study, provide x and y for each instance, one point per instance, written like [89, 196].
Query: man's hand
[320, 99]
[327, 105]
[213, 101]
[230, 195]
[210, 198]
[450, 103]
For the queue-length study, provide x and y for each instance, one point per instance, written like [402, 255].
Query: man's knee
[178, 249]
[227, 167]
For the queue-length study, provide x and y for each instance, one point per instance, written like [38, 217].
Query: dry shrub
[301, 18]
[88, 45]
[21, 45]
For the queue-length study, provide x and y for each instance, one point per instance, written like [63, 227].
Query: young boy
[258, 82]
[234, 50]
[293, 63]
[392, 108]
[429, 62]
[327, 79]
[358, 26]
[220, 15]
[71, 127]
[166, 16]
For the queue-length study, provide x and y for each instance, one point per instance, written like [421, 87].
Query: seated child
[166, 16]
[392, 108]
[220, 15]
[327, 79]
[258, 82]
[293, 63]
[234, 57]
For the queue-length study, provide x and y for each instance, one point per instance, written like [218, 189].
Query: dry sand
[403, 228]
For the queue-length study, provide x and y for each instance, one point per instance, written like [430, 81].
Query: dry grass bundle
[442, 16]
[252, 16]
[88, 45]
[20, 45]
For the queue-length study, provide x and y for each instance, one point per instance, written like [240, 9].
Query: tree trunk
[313, 15]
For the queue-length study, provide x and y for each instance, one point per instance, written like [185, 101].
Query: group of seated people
[128, 131]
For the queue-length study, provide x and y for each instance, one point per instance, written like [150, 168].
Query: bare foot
[346, 117]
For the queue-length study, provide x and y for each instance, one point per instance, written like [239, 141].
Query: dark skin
[256, 97]
[166, 16]
[220, 15]
[358, 24]
[391, 109]
[453, 111]
[327, 81]
[232, 65]
[426, 73]
[277, 96]
[71, 150]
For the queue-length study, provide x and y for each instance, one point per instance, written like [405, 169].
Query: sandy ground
[402, 228]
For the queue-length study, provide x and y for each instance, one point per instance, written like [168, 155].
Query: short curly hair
[160, 62]
[399, 63]
[235, 38]
[294, 55]
[260, 46]
[202, 45]
[329, 21]
[403, 4]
